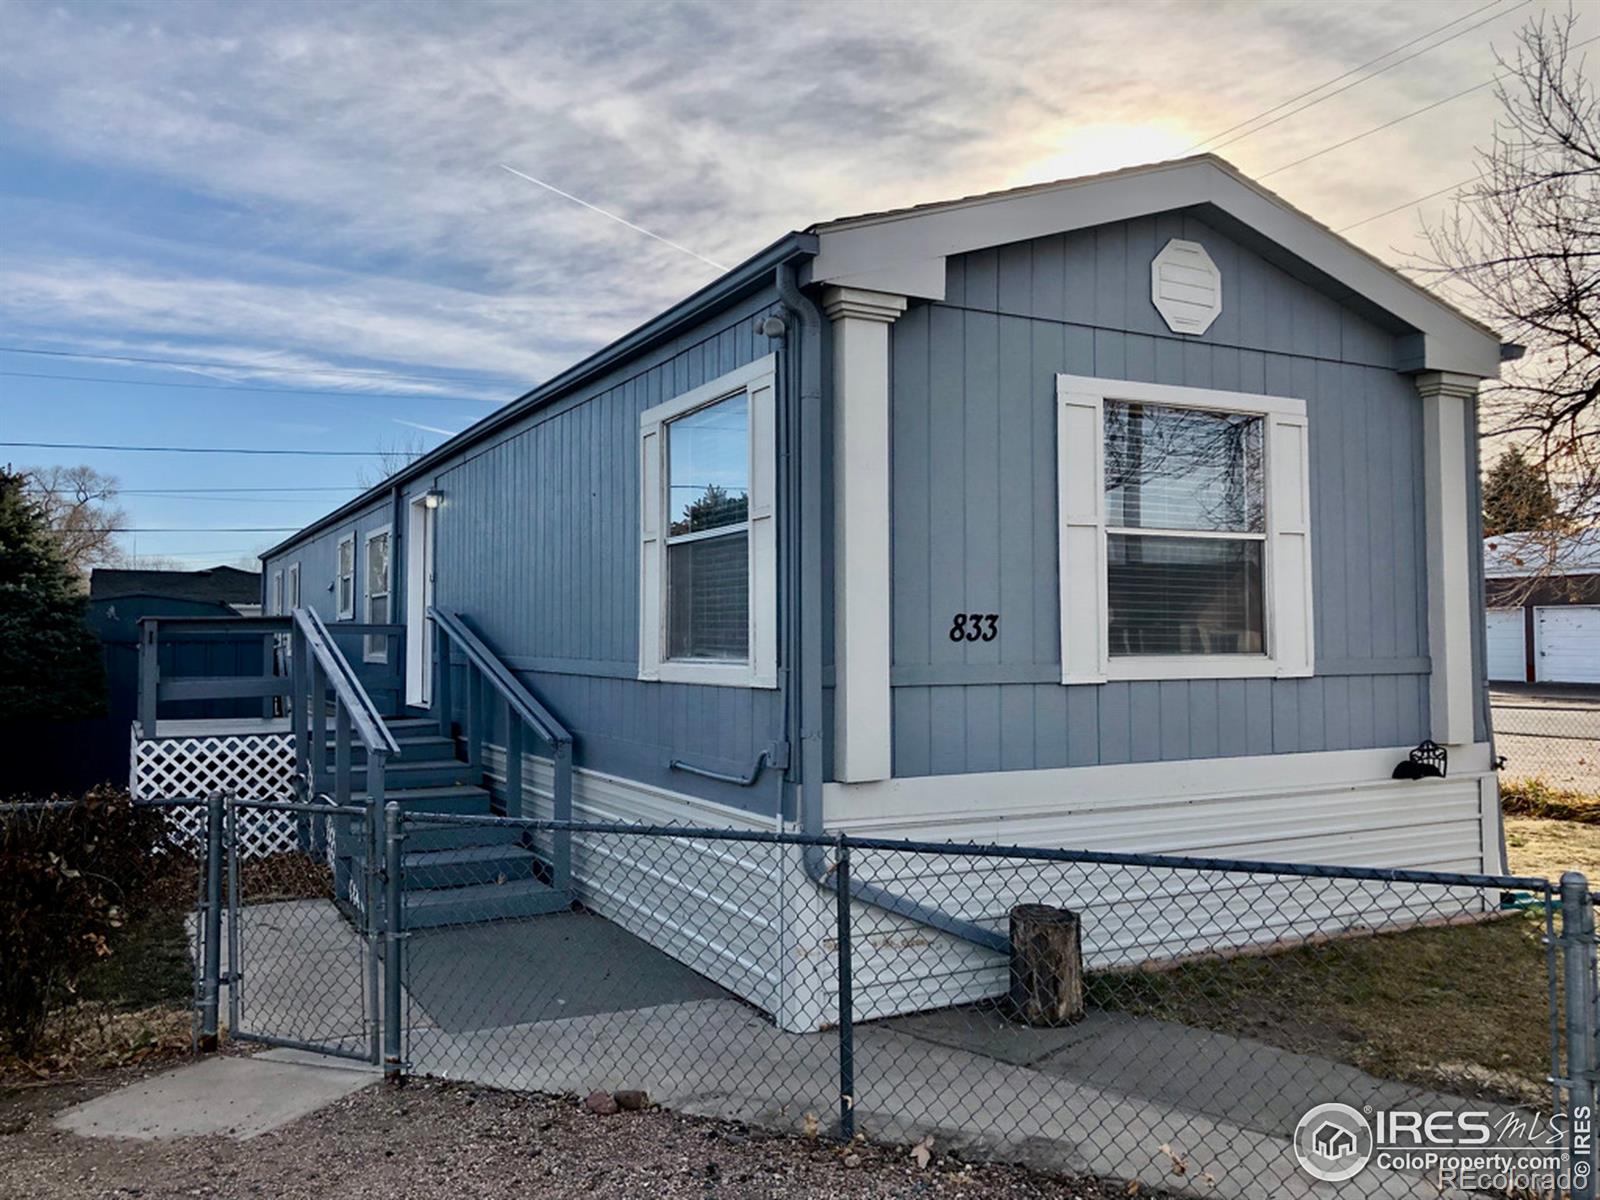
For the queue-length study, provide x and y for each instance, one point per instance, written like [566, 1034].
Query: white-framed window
[708, 563]
[275, 601]
[1185, 532]
[345, 583]
[294, 586]
[375, 647]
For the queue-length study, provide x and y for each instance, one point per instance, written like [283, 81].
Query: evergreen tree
[1517, 497]
[50, 663]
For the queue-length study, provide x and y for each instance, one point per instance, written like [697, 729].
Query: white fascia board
[896, 252]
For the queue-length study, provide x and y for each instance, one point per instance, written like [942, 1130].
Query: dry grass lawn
[1536, 846]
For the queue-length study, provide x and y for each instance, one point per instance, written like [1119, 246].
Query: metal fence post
[847, 1045]
[210, 987]
[1578, 970]
[394, 937]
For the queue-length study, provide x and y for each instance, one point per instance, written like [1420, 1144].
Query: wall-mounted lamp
[431, 499]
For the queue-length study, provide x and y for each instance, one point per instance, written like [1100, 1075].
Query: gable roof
[218, 585]
[903, 250]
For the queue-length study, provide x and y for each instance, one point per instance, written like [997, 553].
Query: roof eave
[725, 289]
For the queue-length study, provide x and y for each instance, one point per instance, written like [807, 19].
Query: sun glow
[1088, 149]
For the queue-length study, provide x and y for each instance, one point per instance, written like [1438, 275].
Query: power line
[243, 387]
[200, 529]
[209, 490]
[1366, 78]
[370, 372]
[195, 449]
[1337, 78]
[1416, 112]
[1408, 204]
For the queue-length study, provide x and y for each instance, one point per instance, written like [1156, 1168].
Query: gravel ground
[452, 1141]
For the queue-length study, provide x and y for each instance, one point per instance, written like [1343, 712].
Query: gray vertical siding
[537, 543]
[974, 508]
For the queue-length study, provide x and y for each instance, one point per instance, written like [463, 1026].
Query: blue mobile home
[1134, 512]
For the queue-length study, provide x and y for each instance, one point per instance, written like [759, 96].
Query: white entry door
[1567, 639]
[1508, 654]
[419, 596]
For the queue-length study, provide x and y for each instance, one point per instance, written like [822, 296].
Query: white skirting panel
[748, 917]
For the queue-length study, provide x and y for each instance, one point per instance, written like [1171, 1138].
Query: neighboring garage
[1543, 622]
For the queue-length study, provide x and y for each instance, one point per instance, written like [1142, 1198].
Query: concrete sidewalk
[1058, 1100]
[237, 1097]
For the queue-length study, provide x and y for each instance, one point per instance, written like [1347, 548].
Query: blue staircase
[454, 874]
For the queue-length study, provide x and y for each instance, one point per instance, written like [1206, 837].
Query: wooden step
[470, 865]
[482, 902]
[463, 798]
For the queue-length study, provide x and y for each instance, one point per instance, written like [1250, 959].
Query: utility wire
[550, 187]
[195, 449]
[222, 366]
[1416, 112]
[242, 387]
[210, 490]
[198, 529]
[1339, 78]
[1408, 204]
[1366, 78]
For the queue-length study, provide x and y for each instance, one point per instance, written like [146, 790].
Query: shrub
[1535, 797]
[69, 877]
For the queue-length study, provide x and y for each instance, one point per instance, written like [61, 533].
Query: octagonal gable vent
[1185, 287]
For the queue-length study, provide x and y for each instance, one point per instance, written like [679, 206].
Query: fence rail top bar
[221, 624]
[983, 850]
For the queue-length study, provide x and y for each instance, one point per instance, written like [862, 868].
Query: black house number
[974, 627]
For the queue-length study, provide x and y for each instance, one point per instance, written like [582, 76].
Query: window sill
[1176, 667]
[714, 674]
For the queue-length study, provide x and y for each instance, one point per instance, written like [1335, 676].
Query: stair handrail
[501, 679]
[364, 718]
[522, 708]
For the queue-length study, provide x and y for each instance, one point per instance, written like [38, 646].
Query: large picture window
[1185, 533]
[708, 555]
[1185, 528]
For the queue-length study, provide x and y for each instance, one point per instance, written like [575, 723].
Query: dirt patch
[436, 1141]
[1547, 848]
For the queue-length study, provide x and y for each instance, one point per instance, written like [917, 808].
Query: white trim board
[1063, 789]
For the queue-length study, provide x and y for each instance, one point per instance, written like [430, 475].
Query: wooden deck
[220, 727]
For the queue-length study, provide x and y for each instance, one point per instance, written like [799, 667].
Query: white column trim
[1447, 401]
[862, 705]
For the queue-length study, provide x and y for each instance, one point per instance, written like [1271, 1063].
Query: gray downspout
[805, 478]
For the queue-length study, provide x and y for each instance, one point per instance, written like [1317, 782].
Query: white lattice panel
[249, 766]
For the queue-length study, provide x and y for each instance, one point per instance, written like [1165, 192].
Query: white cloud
[328, 187]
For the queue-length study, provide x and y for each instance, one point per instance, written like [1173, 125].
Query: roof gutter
[749, 276]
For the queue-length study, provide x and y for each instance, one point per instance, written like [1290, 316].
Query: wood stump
[1046, 965]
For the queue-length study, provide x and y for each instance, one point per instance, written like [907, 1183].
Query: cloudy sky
[299, 209]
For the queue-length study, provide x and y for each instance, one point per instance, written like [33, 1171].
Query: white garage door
[1567, 639]
[1508, 657]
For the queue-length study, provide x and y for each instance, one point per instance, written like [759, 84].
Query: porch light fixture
[431, 499]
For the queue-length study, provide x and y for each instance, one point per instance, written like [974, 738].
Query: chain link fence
[1159, 1020]
[1551, 748]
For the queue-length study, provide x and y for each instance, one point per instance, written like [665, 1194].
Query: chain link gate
[303, 924]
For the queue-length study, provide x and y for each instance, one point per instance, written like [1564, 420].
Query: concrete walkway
[232, 1097]
[571, 1004]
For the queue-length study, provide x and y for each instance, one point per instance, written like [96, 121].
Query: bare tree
[393, 454]
[79, 506]
[1522, 248]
